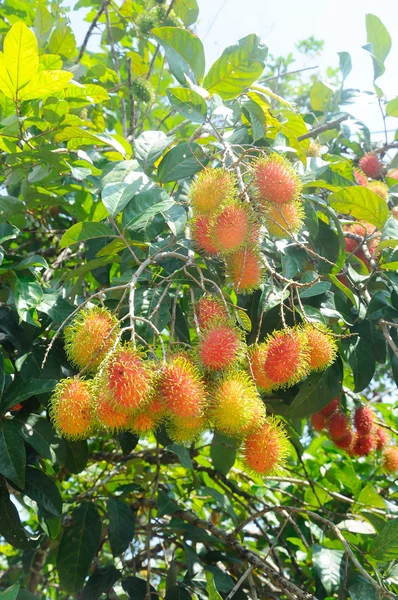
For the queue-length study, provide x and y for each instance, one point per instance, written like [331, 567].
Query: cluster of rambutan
[365, 233]
[360, 436]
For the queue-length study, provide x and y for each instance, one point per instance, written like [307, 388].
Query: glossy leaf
[149, 147]
[361, 203]
[100, 582]
[182, 161]
[184, 52]
[316, 392]
[189, 103]
[12, 453]
[85, 231]
[40, 488]
[121, 525]
[10, 525]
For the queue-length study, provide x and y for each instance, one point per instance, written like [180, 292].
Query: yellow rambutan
[244, 269]
[390, 459]
[210, 190]
[182, 430]
[71, 408]
[275, 180]
[379, 188]
[108, 414]
[285, 220]
[287, 358]
[321, 345]
[219, 347]
[266, 449]
[230, 227]
[182, 389]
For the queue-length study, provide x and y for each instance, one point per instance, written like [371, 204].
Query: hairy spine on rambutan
[90, 337]
[346, 442]
[245, 270]
[266, 449]
[331, 408]
[219, 347]
[379, 188]
[150, 418]
[210, 309]
[182, 430]
[338, 426]
[211, 189]
[321, 345]
[285, 220]
[182, 389]
[201, 235]
[318, 421]
[231, 227]
[257, 355]
[286, 361]
[275, 180]
[360, 177]
[364, 420]
[71, 408]
[364, 445]
[109, 415]
[390, 459]
[236, 406]
[371, 165]
[382, 438]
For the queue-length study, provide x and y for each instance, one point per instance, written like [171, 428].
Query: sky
[281, 24]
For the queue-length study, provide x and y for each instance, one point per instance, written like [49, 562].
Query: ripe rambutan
[371, 165]
[275, 180]
[201, 235]
[108, 414]
[71, 408]
[150, 418]
[318, 421]
[266, 449]
[257, 356]
[379, 188]
[244, 269]
[382, 438]
[366, 231]
[286, 361]
[90, 337]
[390, 459]
[360, 177]
[211, 189]
[364, 445]
[236, 405]
[219, 347]
[186, 430]
[331, 408]
[230, 227]
[210, 309]
[321, 345]
[338, 426]
[364, 420]
[182, 389]
[16, 408]
[126, 378]
[347, 442]
[285, 220]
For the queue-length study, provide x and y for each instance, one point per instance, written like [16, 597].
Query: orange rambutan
[371, 165]
[382, 438]
[379, 188]
[201, 235]
[257, 355]
[244, 269]
[360, 177]
[71, 408]
[331, 408]
[210, 190]
[210, 309]
[182, 389]
[219, 347]
[266, 449]
[322, 347]
[182, 430]
[90, 337]
[285, 220]
[150, 417]
[364, 420]
[236, 405]
[346, 442]
[318, 421]
[364, 445]
[390, 459]
[338, 426]
[286, 361]
[275, 180]
[230, 227]
[108, 414]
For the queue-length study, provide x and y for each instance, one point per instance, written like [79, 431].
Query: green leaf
[121, 525]
[20, 391]
[320, 96]
[128, 441]
[76, 456]
[7, 232]
[392, 108]
[9, 206]
[136, 588]
[62, 41]
[12, 453]
[182, 161]
[384, 547]
[182, 453]
[21, 56]
[45, 83]
[141, 210]
[345, 64]
[100, 582]
[2, 374]
[10, 525]
[187, 11]
[189, 103]
[116, 196]
[237, 68]
[27, 295]
[43, 23]
[223, 453]
[329, 565]
[85, 231]
[184, 53]
[362, 363]
[211, 589]
[362, 590]
[11, 593]
[40, 488]
[362, 203]
[149, 146]
[166, 505]
[78, 546]
[379, 43]
[316, 392]
[77, 137]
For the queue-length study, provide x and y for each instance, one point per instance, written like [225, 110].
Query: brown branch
[318, 130]
[90, 30]
[36, 569]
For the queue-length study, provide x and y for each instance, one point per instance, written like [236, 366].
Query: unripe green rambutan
[266, 449]
[186, 430]
[245, 270]
[145, 22]
[331, 408]
[364, 445]
[390, 459]
[126, 378]
[211, 189]
[90, 337]
[160, 13]
[382, 438]
[257, 356]
[201, 235]
[321, 345]
[338, 426]
[219, 347]
[285, 220]
[182, 388]
[210, 309]
[275, 180]
[360, 177]
[236, 406]
[371, 165]
[171, 20]
[379, 188]
[286, 361]
[364, 420]
[230, 227]
[71, 408]
[318, 421]
[108, 414]
[143, 90]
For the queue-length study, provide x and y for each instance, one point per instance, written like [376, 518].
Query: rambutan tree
[199, 319]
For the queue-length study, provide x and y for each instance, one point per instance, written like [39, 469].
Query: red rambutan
[347, 442]
[257, 356]
[360, 177]
[364, 445]
[71, 408]
[286, 361]
[364, 420]
[219, 347]
[331, 408]
[390, 459]
[338, 426]
[201, 235]
[210, 309]
[318, 421]
[382, 438]
[244, 269]
[266, 449]
[321, 345]
[182, 389]
[285, 220]
[275, 180]
[210, 190]
[230, 228]
[16, 408]
[371, 165]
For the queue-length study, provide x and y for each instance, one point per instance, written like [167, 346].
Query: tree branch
[318, 130]
[90, 31]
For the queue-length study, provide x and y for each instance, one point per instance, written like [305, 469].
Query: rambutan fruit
[244, 269]
[71, 408]
[379, 188]
[275, 180]
[393, 173]
[364, 420]
[390, 459]
[127, 378]
[318, 421]
[236, 405]
[331, 408]
[16, 408]
[186, 430]
[266, 449]
[346, 442]
[108, 414]
[143, 90]
[90, 337]
[150, 418]
[322, 347]
[285, 220]
[366, 231]
[201, 235]
[257, 356]
[338, 426]
[182, 389]
[286, 361]
[211, 189]
[230, 227]
[364, 445]
[360, 177]
[210, 309]
[371, 165]
[382, 438]
[219, 347]
[314, 149]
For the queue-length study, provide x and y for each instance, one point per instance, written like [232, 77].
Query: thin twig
[90, 31]
[318, 130]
